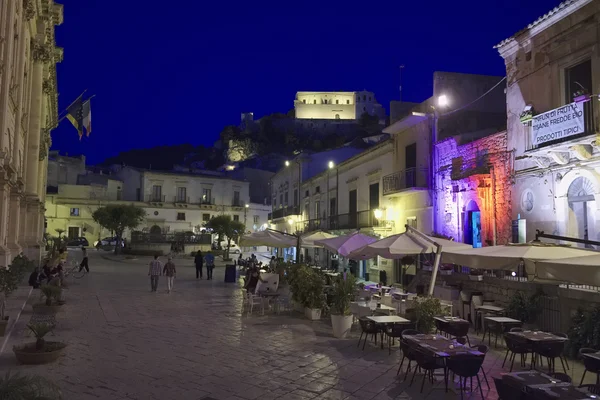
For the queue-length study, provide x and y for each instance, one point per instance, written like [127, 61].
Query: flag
[87, 117]
[75, 115]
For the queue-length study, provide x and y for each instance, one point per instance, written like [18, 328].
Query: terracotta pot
[31, 358]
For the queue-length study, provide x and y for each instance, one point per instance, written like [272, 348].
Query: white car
[233, 248]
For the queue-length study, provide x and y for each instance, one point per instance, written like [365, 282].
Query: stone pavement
[128, 343]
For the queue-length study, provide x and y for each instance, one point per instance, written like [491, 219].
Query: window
[337, 116]
[317, 209]
[315, 101]
[236, 198]
[374, 196]
[205, 217]
[206, 196]
[156, 193]
[325, 101]
[74, 212]
[138, 194]
[256, 219]
[73, 232]
[347, 101]
[306, 194]
[180, 216]
[369, 98]
[295, 197]
[286, 199]
[337, 102]
[365, 109]
[236, 218]
[358, 99]
[181, 194]
[307, 211]
[364, 97]
[281, 199]
[318, 189]
[578, 78]
[274, 201]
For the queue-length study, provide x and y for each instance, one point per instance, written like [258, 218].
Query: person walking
[154, 272]
[84, 260]
[210, 265]
[199, 260]
[170, 272]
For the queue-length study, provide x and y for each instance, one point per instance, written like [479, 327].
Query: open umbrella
[268, 238]
[309, 239]
[397, 246]
[509, 256]
[345, 244]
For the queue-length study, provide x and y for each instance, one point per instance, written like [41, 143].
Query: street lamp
[443, 101]
[331, 164]
[287, 163]
[246, 214]
[378, 213]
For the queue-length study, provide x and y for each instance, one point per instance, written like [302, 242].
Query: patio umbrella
[309, 240]
[583, 270]
[345, 244]
[268, 238]
[509, 256]
[397, 246]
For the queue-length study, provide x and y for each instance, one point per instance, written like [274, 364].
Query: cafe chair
[394, 332]
[368, 327]
[551, 351]
[590, 364]
[593, 389]
[482, 348]
[559, 376]
[466, 366]
[428, 364]
[504, 392]
[406, 351]
[457, 331]
[514, 348]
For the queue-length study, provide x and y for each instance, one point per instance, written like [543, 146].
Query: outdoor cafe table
[504, 323]
[537, 336]
[386, 320]
[445, 323]
[381, 307]
[559, 390]
[535, 384]
[490, 309]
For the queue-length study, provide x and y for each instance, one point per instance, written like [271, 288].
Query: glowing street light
[247, 205]
[331, 164]
[287, 163]
[291, 221]
[443, 101]
[378, 213]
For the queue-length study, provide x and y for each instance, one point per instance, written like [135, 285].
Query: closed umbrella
[308, 241]
[345, 244]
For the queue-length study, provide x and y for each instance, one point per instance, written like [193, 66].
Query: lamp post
[443, 101]
[246, 215]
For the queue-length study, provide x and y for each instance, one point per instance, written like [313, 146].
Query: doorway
[472, 224]
[410, 157]
[352, 209]
[582, 209]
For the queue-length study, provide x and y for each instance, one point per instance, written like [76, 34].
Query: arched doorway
[582, 209]
[472, 224]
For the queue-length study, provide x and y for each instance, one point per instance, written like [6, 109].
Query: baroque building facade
[28, 113]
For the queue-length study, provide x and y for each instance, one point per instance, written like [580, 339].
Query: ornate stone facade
[28, 112]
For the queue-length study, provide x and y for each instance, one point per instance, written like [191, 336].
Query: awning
[346, 244]
[308, 240]
[583, 270]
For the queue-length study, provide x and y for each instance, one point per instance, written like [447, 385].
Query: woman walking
[170, 272]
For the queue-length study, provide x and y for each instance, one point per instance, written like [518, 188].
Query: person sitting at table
[253, 279]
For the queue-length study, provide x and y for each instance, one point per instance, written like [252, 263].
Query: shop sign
[558, 124]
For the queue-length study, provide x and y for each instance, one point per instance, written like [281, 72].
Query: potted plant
[343, 294]
[22, 387]
[425, 309]
[293, 275]
[52, 304]
[40, 352]
[311, 288]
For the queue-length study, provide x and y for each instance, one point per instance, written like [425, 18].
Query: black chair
[551, 351]
[466, 367]
[482, 348]
[368, 327]
[428, 364]
[393, 332]
[515, 348]
[516, 330]
[561, 377]
[459, 331]
[503, 391]
[590, 364]
[593, 389]
[407, 351]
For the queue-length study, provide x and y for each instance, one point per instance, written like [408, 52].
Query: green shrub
[584, 330]
[343, 294]
[425, 309]
[524, 308]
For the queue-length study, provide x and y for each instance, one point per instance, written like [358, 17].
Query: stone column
[4, 210]
[8, 34]
[14, 209]
[35, 120]
[22, 220]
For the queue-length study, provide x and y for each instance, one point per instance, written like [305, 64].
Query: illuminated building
[553, 76]
[336, 105]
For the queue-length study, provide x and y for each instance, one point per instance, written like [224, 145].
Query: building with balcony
[553, 75]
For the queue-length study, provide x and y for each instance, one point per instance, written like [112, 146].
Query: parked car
[233, 248]
[108, 241]
[78, 242]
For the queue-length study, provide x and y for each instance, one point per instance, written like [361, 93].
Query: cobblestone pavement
[125, 342]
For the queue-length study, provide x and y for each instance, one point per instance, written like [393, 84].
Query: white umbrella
[345, 244]
[577, 270]
[309, 239]
[397, 246]
[509, 256]
[268, 238]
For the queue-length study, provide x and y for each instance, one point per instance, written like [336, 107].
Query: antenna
[401, 68]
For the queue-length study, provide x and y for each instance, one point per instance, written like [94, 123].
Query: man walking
[199, 260]
[210, 265]
[170, 272]
[84, 261]
[154, 272]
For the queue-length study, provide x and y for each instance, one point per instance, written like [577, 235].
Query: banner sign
[557, 124]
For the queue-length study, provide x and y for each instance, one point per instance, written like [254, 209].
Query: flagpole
[65, 111]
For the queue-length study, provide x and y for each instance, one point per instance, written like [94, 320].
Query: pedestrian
[34, 278]
[84, 260]
[210, 265]
[170, 272]
[154, 272]
[199, 260]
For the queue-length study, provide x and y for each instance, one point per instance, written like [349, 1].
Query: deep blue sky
[165, 73]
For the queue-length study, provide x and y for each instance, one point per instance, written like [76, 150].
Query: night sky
[169, 74]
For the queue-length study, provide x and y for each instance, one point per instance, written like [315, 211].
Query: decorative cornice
[45, 142]
[41, 52]
[48, 86]
[28, 9]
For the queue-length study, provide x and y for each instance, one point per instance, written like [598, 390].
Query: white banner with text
[557, 124]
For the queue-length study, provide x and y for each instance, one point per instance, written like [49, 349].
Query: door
[476, 228]
[410, 163]
[332, 213]
[352, 209]
[73, 232]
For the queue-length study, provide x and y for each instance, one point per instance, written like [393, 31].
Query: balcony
[181, 200]
[284, 212]
[155, 198]
[409, 179]
[358, 220]
[237, 203]
[206, 202]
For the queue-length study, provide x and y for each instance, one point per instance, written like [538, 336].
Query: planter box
[341, 325]
[476, 277]
[312, 313]
[32, 358]
[3, 325]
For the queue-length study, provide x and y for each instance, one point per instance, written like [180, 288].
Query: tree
[224, 226]
[117, 218]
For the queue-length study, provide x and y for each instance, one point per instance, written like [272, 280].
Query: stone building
[336, 105]
[28, 113]
[476, 190]
[553, 76]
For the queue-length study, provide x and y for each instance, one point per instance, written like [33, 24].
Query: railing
[361, 219]
[284, 212]
[177, 237]
[237, 203]
[155, 198]
[178, 199]
[407, 179]
[588, 122]
[207, 202]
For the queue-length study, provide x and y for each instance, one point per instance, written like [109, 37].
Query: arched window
[315, 101]
[304, 101]
[337, 116]
[325, 101]
[337, 102]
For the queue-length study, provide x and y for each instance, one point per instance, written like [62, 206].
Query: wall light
[443, 100]
[287, 163]
[331, 164]
[378, 213]
[247, 205]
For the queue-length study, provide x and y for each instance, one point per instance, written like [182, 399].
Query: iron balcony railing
[284, 212]
[155, 198]
[357, 220]
[410, 178]
[177, 199]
